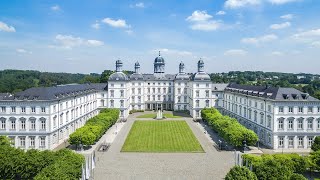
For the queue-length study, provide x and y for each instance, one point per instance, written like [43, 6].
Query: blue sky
[90, 35]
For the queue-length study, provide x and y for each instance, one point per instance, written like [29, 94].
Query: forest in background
[12, 81]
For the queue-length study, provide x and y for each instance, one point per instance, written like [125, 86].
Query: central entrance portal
[159, 106]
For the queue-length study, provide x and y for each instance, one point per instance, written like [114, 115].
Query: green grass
[167, 115]
[161, 136]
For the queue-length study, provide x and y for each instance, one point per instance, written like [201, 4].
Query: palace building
[44, 117]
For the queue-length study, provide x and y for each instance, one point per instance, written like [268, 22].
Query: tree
[296, 176]
[272, 169]
[240, 173]
[316, 144]
[4, 141]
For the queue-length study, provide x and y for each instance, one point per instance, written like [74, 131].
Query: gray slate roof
[56, 92]
[118, 76]
[276, 93]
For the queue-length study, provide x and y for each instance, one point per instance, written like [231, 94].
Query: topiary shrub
[240, 173]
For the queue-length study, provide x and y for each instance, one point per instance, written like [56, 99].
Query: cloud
[259, 40]
[6, 28]
[68, 41]
[279, 2]
[277, 53]
[95, 25]
[138, 5]
[201, 20]
[120, 23]
[206, 26]
[310, 34]
[92, 42]
[235, 52]
[55, 8]
[234, 4]
[199, 16]
[315, 44]
[172, 52]
[221, 13]
[129, 31]
[287, 16]
[280, 26]
[23, 51]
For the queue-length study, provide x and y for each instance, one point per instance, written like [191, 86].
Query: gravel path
[209, 165]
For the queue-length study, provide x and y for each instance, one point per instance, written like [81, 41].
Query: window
[262, 106]
[197, 103]
[185, 99]
[310, 141]
[179, 99]
[318, 109]
[197, 84]
[159, 90]
[281, 142]
[22, 141]
[290, 124]
[3, 123]
[300, 124]
[280, 109]
[256, 104]
[23, 125]
[207, 103]
[300, 142]
[300, 110]
[310, 109]
[54, 108]
[23, 109]
[159, 97]
[261, 118]
[43, 124]
[280, 125]
[290, 109]
[255, 116]
[197, 93]
[207, 94]
[111, 93]
[42, 142]
[33, 109]
[121, 93]
[269, 122]
[112, 103]
[310, 123]
[179, 90]
[32, 142]
[269, 108]
[32, 124]
[185, 91]
[13, 109]
[290, 141]
[269, 138]
[318, 124]
[43, 109]
[3, 109]
[139, 90]
[122, 85]
[207, 85]
[121, 103]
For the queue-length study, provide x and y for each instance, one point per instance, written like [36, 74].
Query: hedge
[228, 128]
[94, 128]
[278, 166]
[34, 164]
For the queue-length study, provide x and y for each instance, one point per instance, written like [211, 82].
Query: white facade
[43, 118]
[281, 122]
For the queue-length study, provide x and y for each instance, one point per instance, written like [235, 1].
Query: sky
[88, 36]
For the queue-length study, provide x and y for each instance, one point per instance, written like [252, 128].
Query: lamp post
[220, 144]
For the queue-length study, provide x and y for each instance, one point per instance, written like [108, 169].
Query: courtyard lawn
[167, 115]
[161, 136]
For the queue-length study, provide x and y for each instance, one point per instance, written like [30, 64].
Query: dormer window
[294, 96]
[285, 96]
[304, 96]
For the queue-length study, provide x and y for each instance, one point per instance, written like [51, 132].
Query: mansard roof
[118, 76]
[164, 77]
[275, 93]
[201, 76]
[56, 92]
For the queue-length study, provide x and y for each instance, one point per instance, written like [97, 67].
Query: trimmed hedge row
[135, 110]
[229, 128]
[277, 166]
[94, 128]
[34, 164]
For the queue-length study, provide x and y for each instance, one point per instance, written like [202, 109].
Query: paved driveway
[209, 165]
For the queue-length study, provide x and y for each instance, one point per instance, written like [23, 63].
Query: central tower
[159, 65]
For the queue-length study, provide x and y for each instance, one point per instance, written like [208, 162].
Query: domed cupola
[159, 64]
[136, 75]
[118, 75]
[182, 75]
[201, 75]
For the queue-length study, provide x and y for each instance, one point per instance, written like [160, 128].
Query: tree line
[12, 81]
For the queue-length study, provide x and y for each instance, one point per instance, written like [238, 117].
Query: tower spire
[159, 53]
